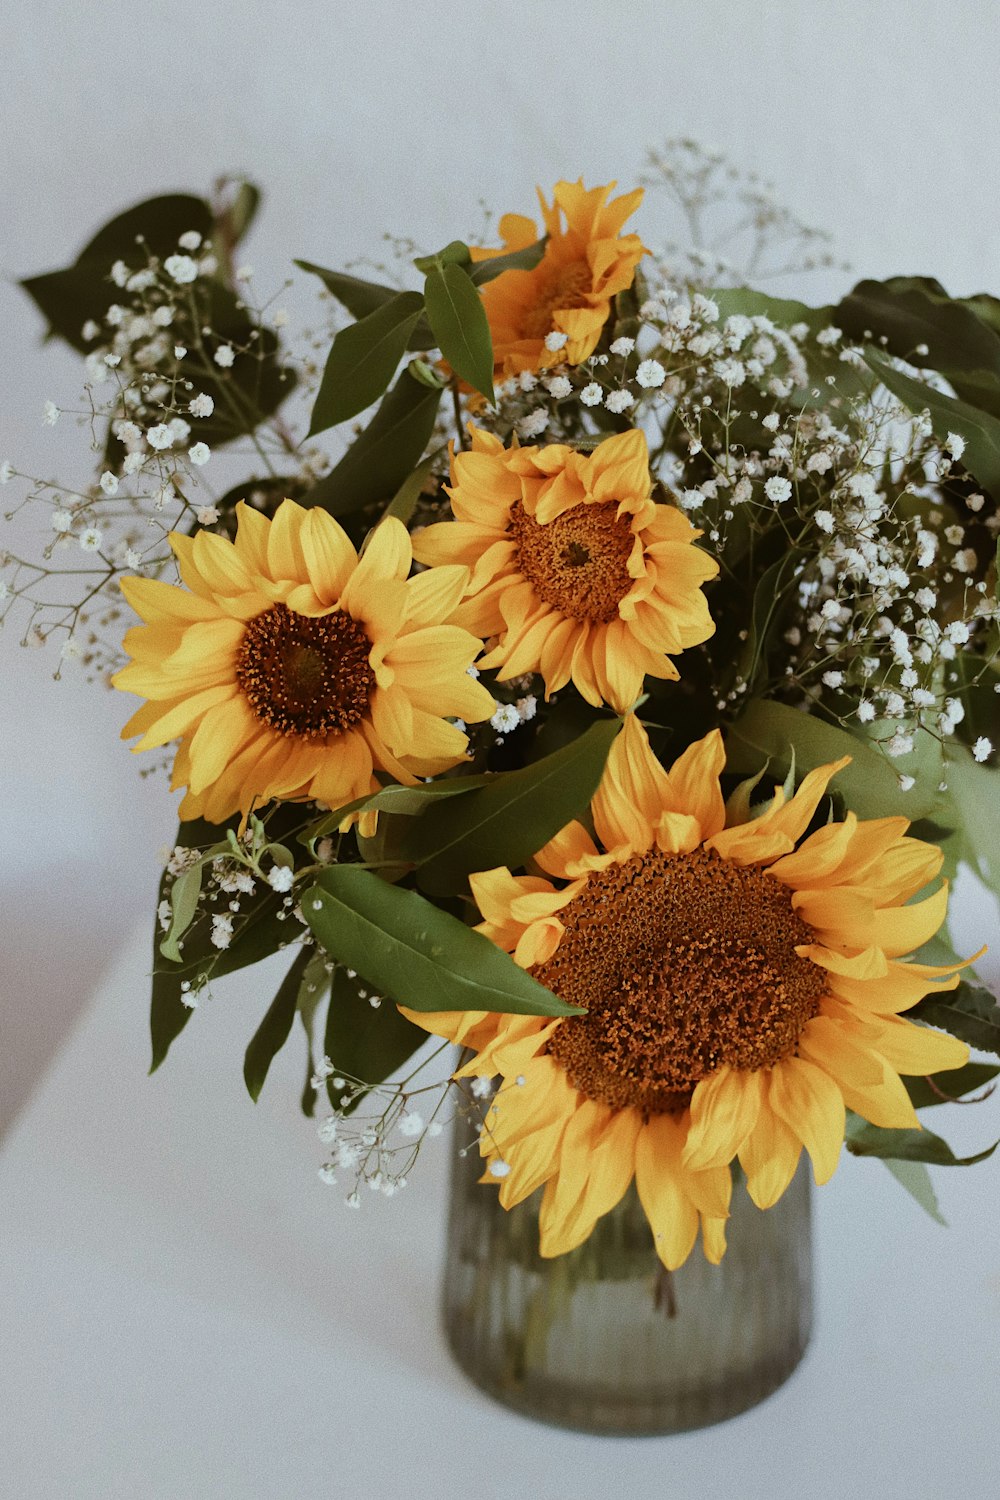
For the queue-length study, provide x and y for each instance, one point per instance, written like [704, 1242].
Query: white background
[878, 121]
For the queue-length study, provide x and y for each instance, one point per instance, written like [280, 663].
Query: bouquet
[614, 703]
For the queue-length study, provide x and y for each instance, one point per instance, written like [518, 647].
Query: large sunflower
[586, 262]
[740, 992]
[290, 667]
[572, 564]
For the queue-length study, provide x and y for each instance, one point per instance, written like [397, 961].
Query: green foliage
[509, 819]
[869, 786]
[969, 1012]
[273, 1031]
[361, 298]
[980, 430]
[863, 1139]
[771, 599]
[363, 1041]
[414, 952]
[953, 1084]
[363, 359]
[458, 318]
[974, 802]
[381, 458]
[916, 1179]
[410, 801]
[514, 260]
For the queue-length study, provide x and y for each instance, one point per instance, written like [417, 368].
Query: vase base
[602, 1411]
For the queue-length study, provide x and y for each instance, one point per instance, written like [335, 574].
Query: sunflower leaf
[458, 318]
[364, 1042]
[980, 430]
[362, 298]
[525, 259]
[455, 253]
[907, 1145]
[969, 1012]
[415, 953]
[949, 1086]
[275, 1029]
[509, 820]
[410, 801]
[916, 1179]
[363, 359]
[379, 460]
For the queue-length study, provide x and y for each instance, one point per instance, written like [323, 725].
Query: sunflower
[572, 564]
[290, 667]
[586, 262]
[743, 987]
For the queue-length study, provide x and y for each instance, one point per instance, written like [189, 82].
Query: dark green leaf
[770, 601]
[915, 1178]
[241, 211]
[273, 1032]
[944, 1088]
[969, 1012]
[514, 260]
[363, 1041]
[456, 253]
[68, 298]
[380, 459]
[869, 786]
[413, 952]
[907, 1145]
[406, 499]
[980, 430]
[458, 318]
[408, 800]
[912, 310]
[509, 820]
[364, 297]
[363, 360]
[749, 303]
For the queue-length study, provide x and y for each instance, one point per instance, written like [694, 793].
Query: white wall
[878, 121]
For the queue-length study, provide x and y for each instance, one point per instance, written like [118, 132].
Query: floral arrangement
[616, 704]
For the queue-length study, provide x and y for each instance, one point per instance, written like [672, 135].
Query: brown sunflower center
[305, 677]
[578, 563]
[566, 287]
[685, 962]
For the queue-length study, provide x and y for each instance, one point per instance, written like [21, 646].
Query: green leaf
[364, 1042]
[514, 260]
[273, 1032]
[361, 298]
[241, 211]
[456, 253]
[915, 1178]
[458, 318]
[947, 414]
[968, 1012]
[746, 302]
[184, 895]
[363, 360]
[974, 792]
[766, 616]
[869, 786]
[509, 820]
[912, 310]
[380, 459]
[68, 298]
[947, 1087]
[907, 1145]
[407, 800]
[406, 499]
[416, 954]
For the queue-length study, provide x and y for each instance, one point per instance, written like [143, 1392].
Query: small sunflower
[575, 568]
[587, 261]
[289, 667]
[742, 988]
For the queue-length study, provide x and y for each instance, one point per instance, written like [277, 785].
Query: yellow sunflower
[572, 564]
[289, 667]
[741, 987]
[587, 261]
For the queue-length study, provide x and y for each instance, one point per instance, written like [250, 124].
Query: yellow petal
[659, 1179]
[769, 1157]
[724, 1110]
[812, 1106]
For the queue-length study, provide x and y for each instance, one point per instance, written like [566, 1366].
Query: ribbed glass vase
[604, 1339]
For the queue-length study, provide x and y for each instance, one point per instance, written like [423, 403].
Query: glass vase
[604, 1339]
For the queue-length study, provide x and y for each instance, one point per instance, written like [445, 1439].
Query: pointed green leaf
[410, 801]
[184, 895]
[509, 820]
[944, 1088]
[273, 1032]
[364, 1041]
[364, 297]
[969, 1012]
[980, 430]
[413, 952]
[458, 318]
[363, 360]
[404, 502]
[514, 260]
[915, 1178]
[380, 459]
[907, 1145]
[456, 253]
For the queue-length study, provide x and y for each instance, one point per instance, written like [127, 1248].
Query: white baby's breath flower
[222, 930]
[190, 240]
[499, 1168]
[109, 482]
[244, 273]
[772, 421]
[280, 878]
[224, 356]
[200, 454]
[777, 489]
[592, 394]
[555, 341]
[201, 406]
[533, 424]
[907, 783]
[732, 372]
[6, 471]
[160, 437]
[163, 316]
[50, 414]
[955, 444]
[62, 520]
[208, 515]
[623, 346]
[180, 429]
[824, 520]
[411, 1124]
[619, 401]
[833, 679]
[866, 711]
[558, 386]
[828, 336]
[181, 268]
[650, 374]
[982, 749]
[506, 719]
[179, 351]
